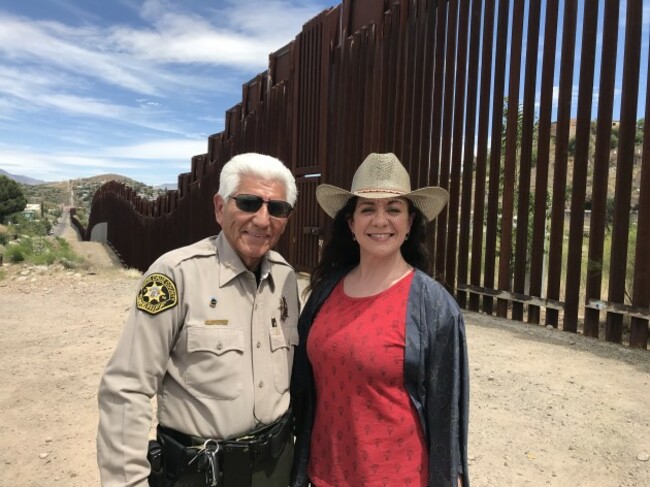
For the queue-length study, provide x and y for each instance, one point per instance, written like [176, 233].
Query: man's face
[251, 234]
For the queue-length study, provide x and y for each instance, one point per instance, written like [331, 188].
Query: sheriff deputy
[212, 334]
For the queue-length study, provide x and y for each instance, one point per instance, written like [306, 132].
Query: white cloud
[31, 90]
[141, 59]
[170, 149]
[240, 34]
[196, 46]
[152, 162]
[274, 20]
[56, 45]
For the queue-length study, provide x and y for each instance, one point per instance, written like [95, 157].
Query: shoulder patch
[158, 293]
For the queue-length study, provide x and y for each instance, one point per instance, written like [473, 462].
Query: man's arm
[129, 382]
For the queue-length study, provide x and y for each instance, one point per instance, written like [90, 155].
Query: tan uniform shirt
[219, 359]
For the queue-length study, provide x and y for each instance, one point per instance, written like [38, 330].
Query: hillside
[80, 192]
[20, 179]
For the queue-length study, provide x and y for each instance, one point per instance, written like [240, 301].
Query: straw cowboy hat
[382, 176]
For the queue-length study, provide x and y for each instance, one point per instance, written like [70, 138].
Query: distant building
[33, 210]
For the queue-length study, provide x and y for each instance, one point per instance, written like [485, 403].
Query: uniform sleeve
[131, 378]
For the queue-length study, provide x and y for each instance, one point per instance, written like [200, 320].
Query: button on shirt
[219, 360]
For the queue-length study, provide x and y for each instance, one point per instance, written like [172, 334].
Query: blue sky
[130, 87]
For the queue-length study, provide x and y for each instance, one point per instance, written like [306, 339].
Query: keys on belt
[207, 459]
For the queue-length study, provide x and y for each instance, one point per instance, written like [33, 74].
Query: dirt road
[547, 408]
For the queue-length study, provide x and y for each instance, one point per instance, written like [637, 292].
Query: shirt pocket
[214, 362]
[283, 343]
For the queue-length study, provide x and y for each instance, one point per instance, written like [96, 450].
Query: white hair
[259, 165]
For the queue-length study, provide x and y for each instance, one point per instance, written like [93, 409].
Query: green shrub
[20, 225]
[15, 254]
[64, 251]
[42, 251]
[4, 238]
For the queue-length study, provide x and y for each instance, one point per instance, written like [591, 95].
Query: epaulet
[276, 258]
[202, 248]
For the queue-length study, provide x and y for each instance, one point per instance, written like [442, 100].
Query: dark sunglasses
[251, 203]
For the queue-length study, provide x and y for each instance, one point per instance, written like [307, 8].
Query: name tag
[216, 322]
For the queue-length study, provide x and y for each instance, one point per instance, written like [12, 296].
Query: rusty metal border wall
[462, 91]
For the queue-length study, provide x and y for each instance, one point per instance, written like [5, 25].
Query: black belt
[237, 458]
[260, 444]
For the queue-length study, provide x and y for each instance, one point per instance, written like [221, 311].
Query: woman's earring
[406, 237]
[354, 237]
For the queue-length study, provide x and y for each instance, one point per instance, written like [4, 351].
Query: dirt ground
[547, 408]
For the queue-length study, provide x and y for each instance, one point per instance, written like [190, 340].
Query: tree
[640, 127]
[12, 198]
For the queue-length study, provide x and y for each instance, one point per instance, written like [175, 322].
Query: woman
[380, 381]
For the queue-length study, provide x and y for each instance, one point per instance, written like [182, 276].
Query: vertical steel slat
[395, 131]
[481, 153]
[393, 56]
[378, 86]
[350, 74]
[369, 74]
[580, 163]
[379, 98]
[447, 126]
[457, 148]
[468, 163]
[296, 155]
[304, 97]
[409, 64]
[316, 95]
[308, 96]
[340, 167]
[624, 167]
[641, 290]
[354, 154]
[438, 91]
[527, 126]
[426, 103]
[353, 107]
[495, 152]
[510, 163]
[417, 97]
[328, 38]
[315, 98]
[338, 122]
[560, 166]
[360, 82]
[436, 124]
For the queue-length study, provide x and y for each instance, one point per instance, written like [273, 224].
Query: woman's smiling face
[380, 226]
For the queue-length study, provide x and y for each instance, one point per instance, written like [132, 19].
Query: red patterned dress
[366, 431]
